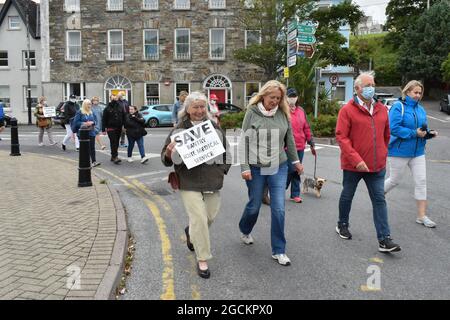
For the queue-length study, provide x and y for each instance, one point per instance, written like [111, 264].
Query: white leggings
[418, 169]
[69, 135]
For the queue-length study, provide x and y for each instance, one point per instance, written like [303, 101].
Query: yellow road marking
[168, 274]
[376, 260]
[365, 288]
[440, 161]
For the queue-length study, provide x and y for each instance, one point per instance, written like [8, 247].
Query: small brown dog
[315, 184]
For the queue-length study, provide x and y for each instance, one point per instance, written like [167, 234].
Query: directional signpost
[300, 40]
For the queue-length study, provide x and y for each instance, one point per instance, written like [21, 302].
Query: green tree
[426, 45]
[400, 15]
[445, 68]
[272, 16]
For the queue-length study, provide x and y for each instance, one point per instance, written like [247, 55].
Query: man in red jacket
[362, 131]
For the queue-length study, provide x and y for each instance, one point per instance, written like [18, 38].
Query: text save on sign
[198, 144]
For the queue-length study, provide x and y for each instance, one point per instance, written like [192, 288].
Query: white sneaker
[41, 144]
[282, 259]
[427, 222]
[246, 238]
[130, 159]
[144, 160]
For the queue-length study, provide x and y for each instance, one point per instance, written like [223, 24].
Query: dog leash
[315, 165]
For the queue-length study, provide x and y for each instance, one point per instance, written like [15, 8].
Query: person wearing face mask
[266, 130]
[70, 109]
[362, 131]
[302, 135]
[199, 186]
[409, 135]
[214, 108]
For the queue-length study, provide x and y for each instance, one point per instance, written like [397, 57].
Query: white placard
[292, 61]
[49, 112]
[198, 144]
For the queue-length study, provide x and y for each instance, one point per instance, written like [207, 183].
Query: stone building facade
[150, 50]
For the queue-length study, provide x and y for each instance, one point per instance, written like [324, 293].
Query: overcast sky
[374, 8]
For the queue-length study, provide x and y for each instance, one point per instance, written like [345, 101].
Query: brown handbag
[174, 180]
[42, 122]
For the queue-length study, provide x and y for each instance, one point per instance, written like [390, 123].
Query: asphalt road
[323, 265]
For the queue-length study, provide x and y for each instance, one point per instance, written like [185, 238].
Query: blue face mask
[368, 92]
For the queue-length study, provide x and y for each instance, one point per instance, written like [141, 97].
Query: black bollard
[84, 163]
[15, 149]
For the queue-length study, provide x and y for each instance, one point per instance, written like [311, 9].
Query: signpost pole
[316, 102]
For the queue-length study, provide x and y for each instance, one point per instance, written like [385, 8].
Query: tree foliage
[400, 15]
[272, 16]
[445, 68]
[426, 44]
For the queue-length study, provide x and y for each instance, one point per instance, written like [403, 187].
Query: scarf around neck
[266, 113]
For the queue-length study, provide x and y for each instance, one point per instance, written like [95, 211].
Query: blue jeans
[293, 177]
[276, 184]
[375, 185]
[140, 143]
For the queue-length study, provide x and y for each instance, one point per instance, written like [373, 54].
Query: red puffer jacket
[363, 137]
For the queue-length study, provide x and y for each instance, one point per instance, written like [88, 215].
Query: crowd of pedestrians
[275, 132]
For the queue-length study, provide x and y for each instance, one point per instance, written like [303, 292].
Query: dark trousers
[140, 143]
[375, 185]
[92, 148]
[122, 137]
[114, 137]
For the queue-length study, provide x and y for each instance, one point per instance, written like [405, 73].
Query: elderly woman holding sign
[194, 141]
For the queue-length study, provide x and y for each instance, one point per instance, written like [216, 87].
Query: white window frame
[246, 93]
[8, 98]
[185, 6]
[16, 23]
[176, 44]
[175, 89]
[24, 59]
[146, 96]
[68, 57]
[246, 36]
[339, 86]
[150, 4]
[157, 44]
[217, 4]
[72, 5]
[117, 6]
[34, 98]
[7, 60]
[211, 44]
[67, 91]
[109, 45]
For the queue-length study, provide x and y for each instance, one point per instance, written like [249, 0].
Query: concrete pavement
[57, 241]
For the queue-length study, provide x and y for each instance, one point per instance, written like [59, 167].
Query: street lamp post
[28, 64]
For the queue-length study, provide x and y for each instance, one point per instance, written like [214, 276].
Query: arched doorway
[220, 86]
[117, 84]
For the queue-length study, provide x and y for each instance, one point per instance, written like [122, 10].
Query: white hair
[362, 74]
[190, 99]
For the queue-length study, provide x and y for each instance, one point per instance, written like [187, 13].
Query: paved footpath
[57, 241]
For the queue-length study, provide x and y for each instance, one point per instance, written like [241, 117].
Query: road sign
[292, 35]
[306, 29]
[286, 72]
[306, 38]
[292, 25]
[292, 48]
[292, 61]
[334, 79]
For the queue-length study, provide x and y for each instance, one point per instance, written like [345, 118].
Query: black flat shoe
[188, 240]
[205, 274]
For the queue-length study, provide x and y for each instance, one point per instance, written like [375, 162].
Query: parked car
[157, 114]
[225, 108]
[444, 105]
[388, 102]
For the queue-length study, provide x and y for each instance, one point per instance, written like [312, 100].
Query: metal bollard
[15, 148]
[84, 162]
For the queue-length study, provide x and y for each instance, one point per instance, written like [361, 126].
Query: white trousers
[418, 169]
[69, 135]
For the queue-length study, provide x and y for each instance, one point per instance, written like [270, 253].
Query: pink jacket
[300, 128]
